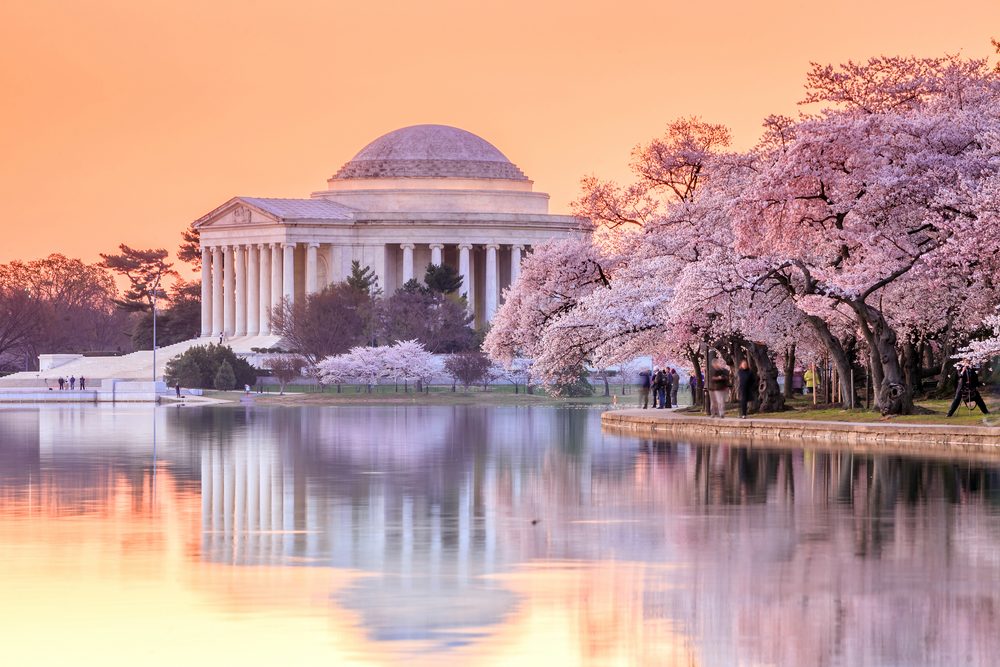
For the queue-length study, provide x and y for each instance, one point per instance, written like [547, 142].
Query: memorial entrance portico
[427, 194]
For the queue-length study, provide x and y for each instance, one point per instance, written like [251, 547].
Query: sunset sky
[125, 120]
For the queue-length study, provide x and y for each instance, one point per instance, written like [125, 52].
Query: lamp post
[155, 288]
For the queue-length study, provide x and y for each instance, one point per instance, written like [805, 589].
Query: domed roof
[430, 151]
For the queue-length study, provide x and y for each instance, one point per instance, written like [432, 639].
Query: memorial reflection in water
[459, 533]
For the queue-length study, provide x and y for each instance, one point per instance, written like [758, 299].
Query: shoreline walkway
[915, 438]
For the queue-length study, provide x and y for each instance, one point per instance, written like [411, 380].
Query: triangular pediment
[241, 211]
[237, 212]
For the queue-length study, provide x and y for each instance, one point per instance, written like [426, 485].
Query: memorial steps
[134, 366]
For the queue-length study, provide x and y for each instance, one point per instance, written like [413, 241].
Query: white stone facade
[420, 195]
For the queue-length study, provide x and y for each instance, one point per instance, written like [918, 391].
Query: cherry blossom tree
[868, 227]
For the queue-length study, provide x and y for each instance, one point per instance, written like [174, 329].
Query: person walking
[72, 382]
[968, 388]
[644, 384]
[83, 383]
[675, 385]
[62, 383]
[746, 382]
[719, 383]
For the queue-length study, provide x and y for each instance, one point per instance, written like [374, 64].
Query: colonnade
[241, 284]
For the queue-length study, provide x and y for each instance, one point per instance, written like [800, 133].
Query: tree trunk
[768, 391]
[789, 371]
[607, 386]
[894, 396]
[695, 360]
[837, 354]
[912, 372]
[944, 385]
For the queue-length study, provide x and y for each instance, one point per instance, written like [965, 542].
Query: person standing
[72, 382]
[654, 386]
[83, 383]
[719, 383]
[810, 380]
[62, 383]
[644, 389]
[658, 389]
[746, 381]
[675, 385]
[968, 388]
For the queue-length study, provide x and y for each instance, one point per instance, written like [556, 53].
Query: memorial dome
[430, 151]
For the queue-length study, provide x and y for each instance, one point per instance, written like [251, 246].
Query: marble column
[333, 264]
[229, 289]
[465, 270]
[218, 323]
[407, 261]
[492, 282]
[206, 291]
[241, 290]
[312, 278]
[515, 262]
[253, 291]
[436, 249]
[288, 272]
[264, 250]
[277, 274]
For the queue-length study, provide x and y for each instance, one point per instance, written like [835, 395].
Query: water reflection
[478, 535]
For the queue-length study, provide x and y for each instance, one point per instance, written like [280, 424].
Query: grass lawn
[803, 409]
[388, 395]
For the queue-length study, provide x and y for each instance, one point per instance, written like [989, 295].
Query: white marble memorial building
[416, 196]
[426, 194]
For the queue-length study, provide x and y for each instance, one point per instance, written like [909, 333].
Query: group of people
[663, 384]
[720, 383]
[70, 384]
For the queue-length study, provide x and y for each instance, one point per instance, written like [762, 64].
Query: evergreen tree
[143, 269]
[442, 278]
[225, 378]
[363, 279]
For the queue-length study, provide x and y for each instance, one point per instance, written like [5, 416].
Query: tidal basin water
[477, 536]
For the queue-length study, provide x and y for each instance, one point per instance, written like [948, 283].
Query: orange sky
[123, 121]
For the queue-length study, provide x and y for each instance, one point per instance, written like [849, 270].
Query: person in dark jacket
[968, 388]
[654, 386]
[644, 389]
[746, 382]
[675, 385]
[662, 384]
[719, 383]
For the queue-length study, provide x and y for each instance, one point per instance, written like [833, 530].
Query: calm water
[477, 536]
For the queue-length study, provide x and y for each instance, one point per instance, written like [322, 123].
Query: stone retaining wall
[918, 438]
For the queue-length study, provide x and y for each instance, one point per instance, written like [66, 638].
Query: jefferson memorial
[426, 194]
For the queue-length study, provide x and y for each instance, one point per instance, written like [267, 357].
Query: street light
[154, 289]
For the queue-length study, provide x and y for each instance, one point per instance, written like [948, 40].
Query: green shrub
[199, 366]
